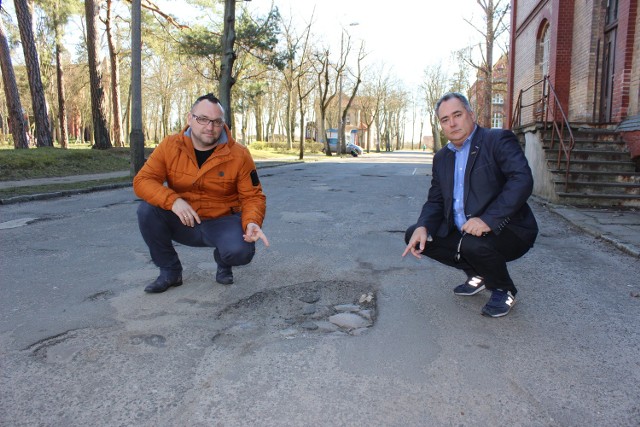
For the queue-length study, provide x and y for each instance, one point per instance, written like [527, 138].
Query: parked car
[353, 149]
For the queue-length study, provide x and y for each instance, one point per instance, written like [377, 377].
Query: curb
[63, 193]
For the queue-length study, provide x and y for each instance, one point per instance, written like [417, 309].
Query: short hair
[450, 95]
[211, 98]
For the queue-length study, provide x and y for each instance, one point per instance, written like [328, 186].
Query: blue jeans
[159, 228]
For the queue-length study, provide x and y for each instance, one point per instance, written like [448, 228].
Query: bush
[310, 146]
[258, 145]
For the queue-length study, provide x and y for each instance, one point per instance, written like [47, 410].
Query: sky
[406, 35]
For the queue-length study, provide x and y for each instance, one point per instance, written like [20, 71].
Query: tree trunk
[302, 133]
[288, 82]
[62, 108]
[228, 58]
[17, 124]
[43, 131]
[118, 140]
[259, 121]
[98, 110]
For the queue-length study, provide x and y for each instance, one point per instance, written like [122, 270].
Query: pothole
[338, 307]
[55, 349]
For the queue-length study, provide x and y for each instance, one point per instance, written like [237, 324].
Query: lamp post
[340, 123]
[341, 142]
[228, 58]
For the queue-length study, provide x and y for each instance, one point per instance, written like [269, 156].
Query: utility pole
[341, 145]
[136, 137]
[228, 58]
[340, 141]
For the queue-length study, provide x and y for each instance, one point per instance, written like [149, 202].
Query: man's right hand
[419, 237]
[185, 212]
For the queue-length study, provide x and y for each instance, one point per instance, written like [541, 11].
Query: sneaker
[500, 303]
[471, 287]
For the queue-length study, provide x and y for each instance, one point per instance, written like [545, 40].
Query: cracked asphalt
[81, 343]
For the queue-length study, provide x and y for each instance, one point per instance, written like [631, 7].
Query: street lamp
[341, 141]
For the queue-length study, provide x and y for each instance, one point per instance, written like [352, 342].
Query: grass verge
[7, 194]
[46, 162]
[18, 165]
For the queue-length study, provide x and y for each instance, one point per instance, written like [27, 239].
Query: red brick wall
[561, 47]
[586, 23]
[633, 142]
[634, 84]
[522, 59]
[576, 27]
[626, 37]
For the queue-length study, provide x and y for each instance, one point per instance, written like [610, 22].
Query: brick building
[498, 94]
[589, 50]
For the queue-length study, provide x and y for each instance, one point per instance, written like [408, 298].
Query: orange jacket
[226, 183]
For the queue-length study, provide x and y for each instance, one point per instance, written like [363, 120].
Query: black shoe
[163, 283]
[224, 275]
[471, 287]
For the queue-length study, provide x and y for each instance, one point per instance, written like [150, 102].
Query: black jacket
[497, 184]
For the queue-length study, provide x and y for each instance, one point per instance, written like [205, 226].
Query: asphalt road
[82, 344]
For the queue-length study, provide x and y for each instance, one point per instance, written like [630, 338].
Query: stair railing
[550, 113]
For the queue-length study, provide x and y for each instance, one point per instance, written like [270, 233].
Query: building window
[496, 120]
[497, 98]
[546, 45]
[612, 12]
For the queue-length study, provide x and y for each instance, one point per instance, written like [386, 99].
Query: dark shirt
[202, 156]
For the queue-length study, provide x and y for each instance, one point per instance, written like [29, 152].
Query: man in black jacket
[476, 217]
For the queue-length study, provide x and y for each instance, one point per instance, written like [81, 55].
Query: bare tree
[288, 74]
[17, 123]
[304, 85]
[494, 13]
[43, 131]
[327, 91]
[100, 130]
[354, 90]
[434, 86]
[369, 100]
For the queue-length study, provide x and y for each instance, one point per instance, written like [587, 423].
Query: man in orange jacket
[213, 197]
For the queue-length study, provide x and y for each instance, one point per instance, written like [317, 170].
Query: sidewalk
[620, 228]
[107, 175]
[260, 164]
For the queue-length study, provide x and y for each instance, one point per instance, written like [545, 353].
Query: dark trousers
[484, 256]
[159, 228]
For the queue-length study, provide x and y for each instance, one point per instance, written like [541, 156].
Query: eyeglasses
[218, 123]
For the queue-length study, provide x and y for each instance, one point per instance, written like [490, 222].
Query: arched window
[543, 51]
